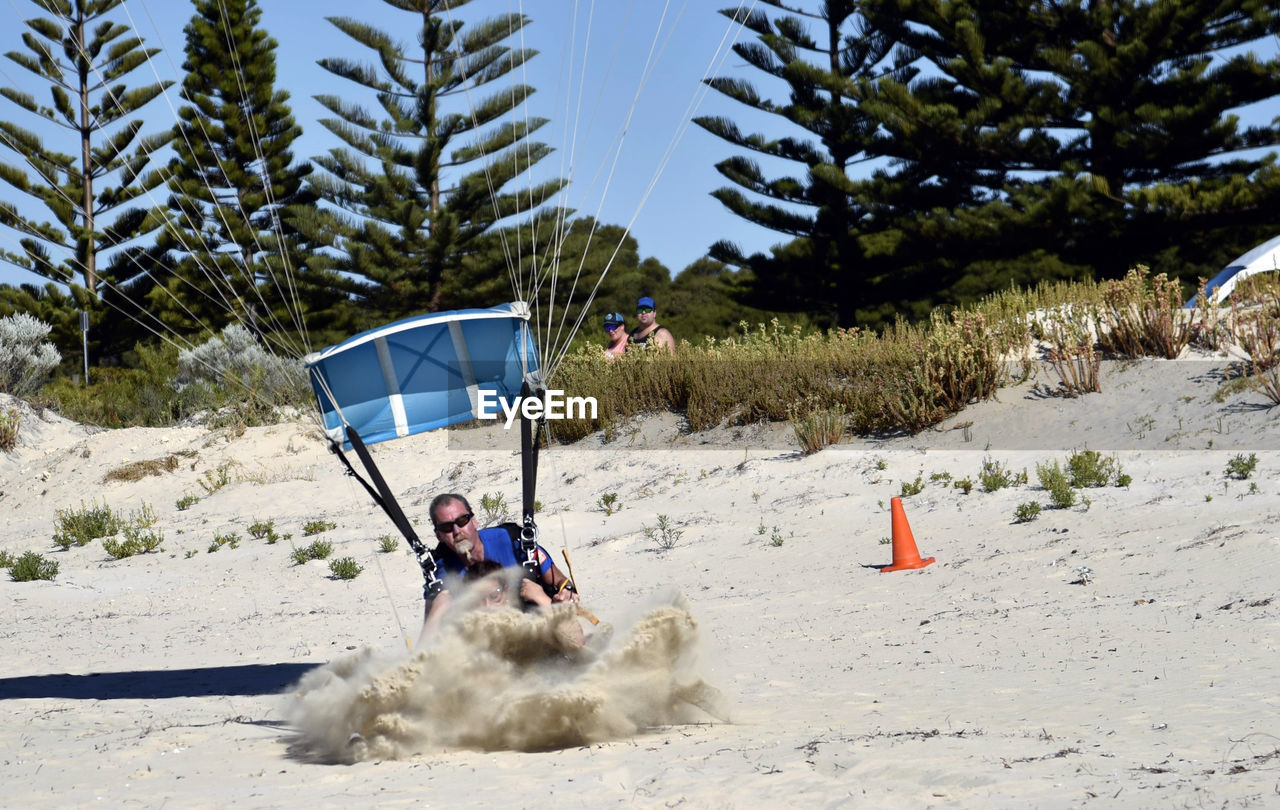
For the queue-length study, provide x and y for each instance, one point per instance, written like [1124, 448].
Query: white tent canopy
[1263, 258]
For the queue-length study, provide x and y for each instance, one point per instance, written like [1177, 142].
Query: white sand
[992, 678]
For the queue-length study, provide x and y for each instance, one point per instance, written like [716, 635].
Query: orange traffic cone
[905, 554]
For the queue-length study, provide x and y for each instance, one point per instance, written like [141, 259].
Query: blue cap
[613, 319]
[646, 301]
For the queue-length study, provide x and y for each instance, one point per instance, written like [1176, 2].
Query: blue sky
[622, 136]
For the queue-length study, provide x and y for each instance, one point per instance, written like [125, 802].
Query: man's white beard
[463, 547]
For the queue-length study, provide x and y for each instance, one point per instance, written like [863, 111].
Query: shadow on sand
[245, 679]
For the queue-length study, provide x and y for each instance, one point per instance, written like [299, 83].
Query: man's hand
[565, 594]
[531, 591]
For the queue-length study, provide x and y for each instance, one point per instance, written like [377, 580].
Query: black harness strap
[527, 548]
[383, 497]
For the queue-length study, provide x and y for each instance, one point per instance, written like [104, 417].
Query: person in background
[616, 328]
[650, 333]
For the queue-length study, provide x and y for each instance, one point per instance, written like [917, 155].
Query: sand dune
[1118, 653]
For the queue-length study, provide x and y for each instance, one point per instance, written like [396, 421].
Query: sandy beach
[1118, 653]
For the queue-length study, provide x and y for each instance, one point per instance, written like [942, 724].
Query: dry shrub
[137, 470]
[904, 380]
[10, 423]
[1135, 319]
[963, 359]
[1072, 353]
[1256, 329]
[818, 427]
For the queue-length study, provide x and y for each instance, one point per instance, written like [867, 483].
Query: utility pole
[84, 332]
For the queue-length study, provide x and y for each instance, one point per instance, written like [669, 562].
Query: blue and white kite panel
[422, 373]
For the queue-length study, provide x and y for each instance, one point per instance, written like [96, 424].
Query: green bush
[1241, 467]
[608, 503]
[136, 541]
[1055, 480]
[225, 381]
[345, 568]
[140, 395]
[995, 476]
[1026, 512]
[1088, 468]
[32, 566]
[6, 559]
[79, 527]
[387, 543]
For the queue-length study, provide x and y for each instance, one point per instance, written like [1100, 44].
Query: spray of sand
[504, 680]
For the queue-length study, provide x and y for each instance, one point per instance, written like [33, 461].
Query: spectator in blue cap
[650, 333]
[616, 328]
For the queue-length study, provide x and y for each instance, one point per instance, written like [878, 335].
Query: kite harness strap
[527, 545]
[383, 497]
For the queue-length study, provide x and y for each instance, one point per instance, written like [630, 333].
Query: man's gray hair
[442, 499]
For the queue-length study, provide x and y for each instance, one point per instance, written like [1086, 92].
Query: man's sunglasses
[448, 526]
[643, 310]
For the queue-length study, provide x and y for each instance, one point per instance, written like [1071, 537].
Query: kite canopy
[423, 373]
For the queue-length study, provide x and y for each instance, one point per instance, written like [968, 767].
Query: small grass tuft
[915, 487]
[215, 479]
[221, 539]
[314, 527]
[816, 427]
[318, 550]
[608, 503]
[261, 529]
[186, 502]
[388, 543]
[266, 530]
[665, 536]
[495, 509]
